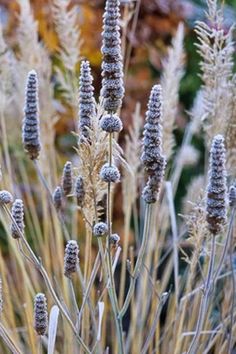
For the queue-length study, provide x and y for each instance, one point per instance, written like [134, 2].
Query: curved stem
[204, 300]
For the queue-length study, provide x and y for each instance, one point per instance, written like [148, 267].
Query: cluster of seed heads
[30, 129]
[18, 216]
[112, 68]
[40, 314]
[5, 197]
[67, 178]
[71, 258]
[100, 229]
[86, 100]
[216, 202]
[110, 174]
[152, 157]
[79, 191]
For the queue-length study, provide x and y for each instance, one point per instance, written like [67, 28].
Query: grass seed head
[18, 216]
[67, 178]
[40, 314]
[110, 174]
[71, 258]
[100, 229]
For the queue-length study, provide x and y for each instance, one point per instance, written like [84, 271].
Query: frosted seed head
[18, 216]
[232, 196]
[110, 174]
[40, 314]
[79, 191]
[114, 239]
[100, 229]
[149, 195]
[71, 258]
[58, 198]
[5, 197]
[111, 123]
[67, 178]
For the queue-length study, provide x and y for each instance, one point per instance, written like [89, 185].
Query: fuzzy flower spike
[152, 158]
[86, 100]
[112, 68]
[30, 129]
[216, 203]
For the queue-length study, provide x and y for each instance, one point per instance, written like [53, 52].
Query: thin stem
[230, 340]
[204, 300]
[8, 340]
[138, 265]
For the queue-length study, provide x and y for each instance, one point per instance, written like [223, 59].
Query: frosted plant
[18, 216]
[71, 258]
[40, 314]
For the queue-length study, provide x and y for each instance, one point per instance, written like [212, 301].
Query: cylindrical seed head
[100, 229]
[5, 197]
[216, 201]
[30, 128]
[110, 174]
[18, 215]
[40, 314]
[79, 191]
[58, 198]
[232, 196]
[71, 258]
[67, 178]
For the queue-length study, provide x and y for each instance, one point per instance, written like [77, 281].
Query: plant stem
[138, 265]
[204, 300]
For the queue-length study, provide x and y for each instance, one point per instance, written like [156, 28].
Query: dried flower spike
[5, 197]
[79, 191]
[110, 174]
[100, 229]
[18, 215]
[232, 196]
[40, 314]
[30, 129]
[71, 258]
[58, 198]
[111, 123]
[67, 178]
[112, 68]
[86, 100]
[216, 202]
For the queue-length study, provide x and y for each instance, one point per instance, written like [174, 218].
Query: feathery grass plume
[67, 178]
[110, 173]
[215, 46]
[66, 23]
[232, 196]
[40, 314]
[5, 197]
[71, 258]
[30, 128]
[173, 72]
[194, 191]
[100, 229]
[58, 198]
[79, 191]
[86, 100]
[216, 202]
[152, 158]
[18, 215]
[112, 69]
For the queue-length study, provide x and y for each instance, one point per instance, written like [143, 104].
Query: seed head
[86, 100]
[110, 174]
[216, 202]
[114, 239]
[40, 314]
[71, 258]
[112, 68]
[67, 178]
[30, 129]
[79, 191]
[111, 123]
[5, 197]
[100, 229]
[232, 196]
[18, 215]
[58, 198]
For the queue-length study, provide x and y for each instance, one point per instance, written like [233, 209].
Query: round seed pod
[71, 258]
[114, 239]
[100, 229]
[58, 198]
[111, 123]
[40, 314]
[110, 174]
[5, 197]
[18, 215]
